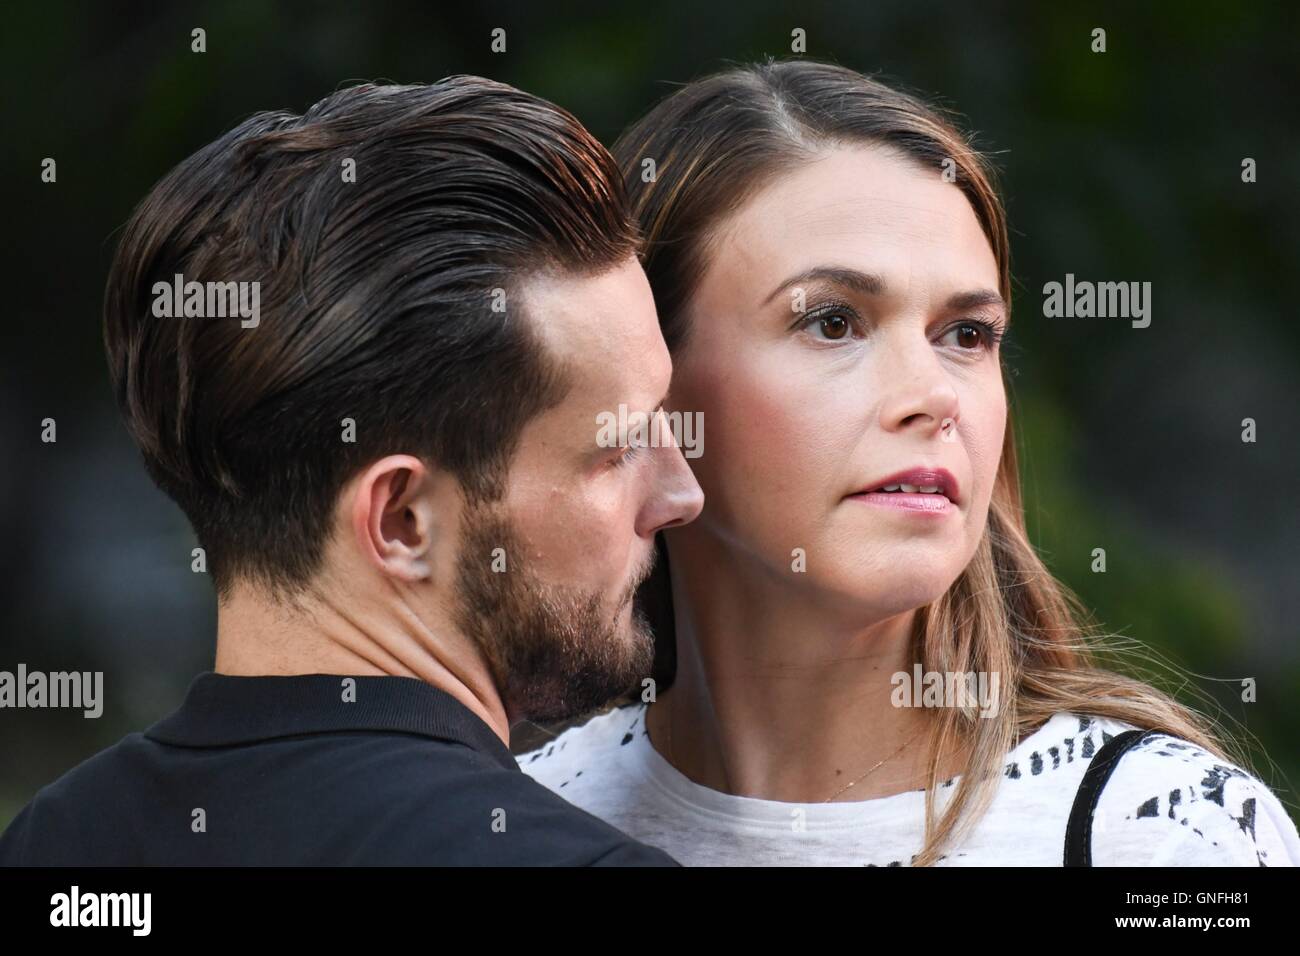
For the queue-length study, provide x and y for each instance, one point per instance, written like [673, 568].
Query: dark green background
[1122, 166]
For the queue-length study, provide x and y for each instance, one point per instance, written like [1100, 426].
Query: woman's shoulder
[1170, 802]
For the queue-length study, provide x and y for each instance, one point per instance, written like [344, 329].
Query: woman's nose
[918, 388]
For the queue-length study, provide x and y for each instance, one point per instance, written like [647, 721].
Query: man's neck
[373, 634]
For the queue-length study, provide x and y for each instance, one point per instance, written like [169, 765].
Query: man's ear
[400, 512]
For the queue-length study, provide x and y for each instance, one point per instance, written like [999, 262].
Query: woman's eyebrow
[975, 299]
[864, 282]
[868, 283]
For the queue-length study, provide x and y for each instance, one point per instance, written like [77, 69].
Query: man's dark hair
[376, 304]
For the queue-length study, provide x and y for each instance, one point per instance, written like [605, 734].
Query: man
[366, 350]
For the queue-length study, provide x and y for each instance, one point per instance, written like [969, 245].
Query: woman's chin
[877, 596]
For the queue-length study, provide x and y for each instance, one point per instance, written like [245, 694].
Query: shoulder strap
[1078, 832]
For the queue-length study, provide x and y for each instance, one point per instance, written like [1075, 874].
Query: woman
[864, 660]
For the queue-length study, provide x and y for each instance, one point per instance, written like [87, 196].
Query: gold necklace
[672, 758]
[890, 757]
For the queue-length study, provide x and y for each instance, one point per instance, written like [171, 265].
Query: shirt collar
[220, 710]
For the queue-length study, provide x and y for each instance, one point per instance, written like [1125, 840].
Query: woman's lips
[916, 503]
[918, 479]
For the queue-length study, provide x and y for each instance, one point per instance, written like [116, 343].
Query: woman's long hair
[695, 158]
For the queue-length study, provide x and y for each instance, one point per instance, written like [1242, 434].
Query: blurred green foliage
[1120, 166]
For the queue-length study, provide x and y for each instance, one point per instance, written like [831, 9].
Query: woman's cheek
[984, 418]
[767, 455]
[990, 417]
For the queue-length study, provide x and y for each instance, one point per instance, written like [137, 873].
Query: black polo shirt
[285, 771]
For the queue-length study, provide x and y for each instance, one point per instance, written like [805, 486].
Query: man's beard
[552, 650]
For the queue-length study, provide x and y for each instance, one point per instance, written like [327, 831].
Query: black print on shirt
[1211, 787]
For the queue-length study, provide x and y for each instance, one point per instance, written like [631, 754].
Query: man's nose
[684, 498]
[677, 498]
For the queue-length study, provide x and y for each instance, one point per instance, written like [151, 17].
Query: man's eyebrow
[864, 282]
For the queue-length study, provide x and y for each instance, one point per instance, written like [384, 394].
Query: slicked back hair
[388, 229]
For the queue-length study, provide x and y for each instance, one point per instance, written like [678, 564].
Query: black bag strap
[1078, 832]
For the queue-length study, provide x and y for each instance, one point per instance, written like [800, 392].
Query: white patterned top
[1167, 803]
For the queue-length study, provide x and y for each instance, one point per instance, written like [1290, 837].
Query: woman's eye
[972, 335]
[830, 326]
[968, 336]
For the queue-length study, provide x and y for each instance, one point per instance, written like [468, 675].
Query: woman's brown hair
[689, 163]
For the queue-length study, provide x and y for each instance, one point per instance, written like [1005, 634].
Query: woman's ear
[400, 512]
